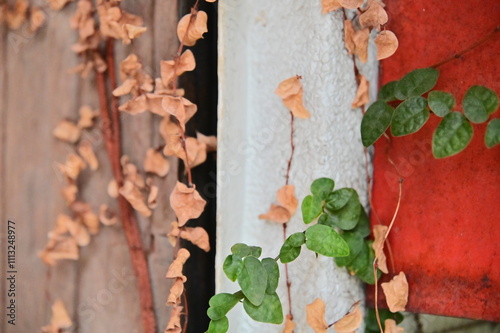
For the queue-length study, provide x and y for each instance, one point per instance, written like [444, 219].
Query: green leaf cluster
[455, 130]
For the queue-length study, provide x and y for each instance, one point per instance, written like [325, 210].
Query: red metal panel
[447, 235]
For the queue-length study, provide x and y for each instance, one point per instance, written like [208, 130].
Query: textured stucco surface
[262, 43]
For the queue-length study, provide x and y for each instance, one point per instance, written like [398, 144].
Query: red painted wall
[447, 235]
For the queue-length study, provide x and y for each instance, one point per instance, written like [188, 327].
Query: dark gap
[201, 89]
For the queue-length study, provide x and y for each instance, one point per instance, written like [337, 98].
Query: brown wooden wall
[36, 92]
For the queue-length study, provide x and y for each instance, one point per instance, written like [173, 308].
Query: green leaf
[452, 135]
[363, 226]
[386, 93]
[326, 241]
[371, 319]
[325, 219]
[344, 208]
[273, 274]
[241, 250]
[253, 280]
[321, 187]
[375, 122]
[478, 103]
[355, 242]
[409, 116]
[416, 83]
[232, 266]
[441, 102]
[362, 265]
[220, 304]
[255, 251]
[269, 311]
[292, 246]
[311, 208]
[218, 326]
[492, 136]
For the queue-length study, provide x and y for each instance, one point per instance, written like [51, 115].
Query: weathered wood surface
[36, 92]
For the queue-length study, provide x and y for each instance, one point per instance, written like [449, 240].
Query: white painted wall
[263, 42]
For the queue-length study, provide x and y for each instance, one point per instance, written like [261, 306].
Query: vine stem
[458, 55]
[377, 315]
[111, 134]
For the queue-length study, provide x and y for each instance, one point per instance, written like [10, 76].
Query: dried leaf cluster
[60, 322]
[347, 324]
[20, 13]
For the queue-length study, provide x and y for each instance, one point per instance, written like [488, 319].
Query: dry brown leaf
[330, 5]
[286, 198]
[135, 197]
[289, 87]
[198, 236]
[360, 39]
[91, 221]
[391, 327]
[197, 152]
[17, 16]
[60, 319]
[186, 203]
[126, 87]
[192, 27]
[180, 108]
[171, 133]
[174, 323]
[86, 151]
[130, 172]
[72, 167]
[134, 31]
[129, 67]
[78, 232]
[106, 217]
[112, 188]
[396, 292]
[135, 105]
[350, 4]
[160, 89]
[69, 193]
[351, 321]
[186, 63]
[290, 91]
[362, 94]
[379, 232]
[67, 131]
[61, 227]
[37, 18]
[174, 233]
[276, 214]
[155, 104]
[374, 16]
[58, 4]
[387, 43]
[152, 197]
[175, 269]
[210, 141]
[175, 292]
[315, 316]
[348, 36]
[60, 247]
[87, 116]
[156, 163]
[289, 325]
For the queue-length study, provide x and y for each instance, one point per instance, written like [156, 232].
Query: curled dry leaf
[196, 152]
[78, 232]
[290, 91]
[87, 116]
[315, 316]
[198, 236]
[175, 292]
[186, 203]
[276, 214]
[387, 43]
[356, 41]
[59, 247]
[175, 269]
[362, 94]
[391, 327]
[192, 27]
[134, 31]
[396, 292]
[67, 131]
[185, 63]
[106, 217]
[87, 216]
[330, 5]
[130, 172]
[180, 108]
[86, 151]
[69, 193]
[58, 4]
[135, 105]
[37, 18]
[289, 325]
[172, 134]
[72, 167]
[351, 321]
[113, 188]
[374, 16]
[135, 197]
[379, 232]
[17, 16]
[174, 323]
[60, 319]
[156, 163]
[288, 205]
[152, 197]
[351, 4]
[129, 67]
[125, 88]
[174, 233]
[210, 141]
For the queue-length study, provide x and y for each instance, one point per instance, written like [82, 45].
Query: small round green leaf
[220, 304]
[232, 266]
[311, 208]
[255, 251]
[416, 83]
[269, 311]
[218, 326]
[241, 250]
[478, 103]
[452, 135]
[326, 241]
[292, 246]
[363, 226]
[347, 216]
[409, 116]
[253, 280]
[375, 122]
[355, 242]
[492, 136]
[321, 187]
[273, 274]
[441, 102]
[339, 198]
[386, 93]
